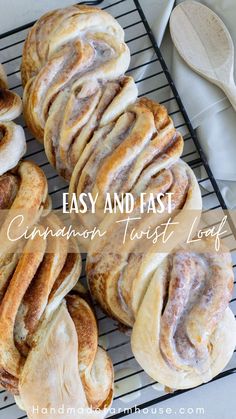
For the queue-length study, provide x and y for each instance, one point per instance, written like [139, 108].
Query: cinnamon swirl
[184, 332]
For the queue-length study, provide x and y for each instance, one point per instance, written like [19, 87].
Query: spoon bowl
[204, 42]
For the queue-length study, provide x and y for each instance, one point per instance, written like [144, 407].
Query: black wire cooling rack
[133, 388]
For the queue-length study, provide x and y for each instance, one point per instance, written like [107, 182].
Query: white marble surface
[218, 398]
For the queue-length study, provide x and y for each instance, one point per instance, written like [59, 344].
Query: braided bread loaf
[12, 145]
[23, 186]
[73, 62]
[97, 135]
[36, 329]
[37, 324]
[35, 276]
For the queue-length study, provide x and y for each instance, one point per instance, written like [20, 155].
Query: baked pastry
[82, 373]
[13, 144]
[97, 135]
[184, 332]
[36, 325]
[121, 154]
[16, 302]
[119, 277]
[72, 68]
[23, 191]
[23, 186]
[3, 78]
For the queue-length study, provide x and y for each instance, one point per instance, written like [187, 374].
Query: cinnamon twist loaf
[35, 277]
[73, 65]
[97, 135]
[37, 323]
[37, 329]
[184, 333]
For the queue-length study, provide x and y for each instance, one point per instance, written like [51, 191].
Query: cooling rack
[133, 388]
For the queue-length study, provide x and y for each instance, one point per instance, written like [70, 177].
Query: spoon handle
[230, 91]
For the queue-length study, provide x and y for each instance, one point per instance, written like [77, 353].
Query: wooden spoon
[204, 42]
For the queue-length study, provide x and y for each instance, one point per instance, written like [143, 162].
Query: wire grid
[133, 388]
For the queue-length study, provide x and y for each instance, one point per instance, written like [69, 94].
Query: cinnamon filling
[191, 309]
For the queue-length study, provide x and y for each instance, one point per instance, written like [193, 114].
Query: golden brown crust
[27, 201]
[76, 101]
[86, 327]
[36, 274]
[43, 276]
[9, 382]
[89, 356]
[28, 297]
[37, 295]
[10, 105]
[9, 184]
[10, 358]
[52, 27]
[12, 145]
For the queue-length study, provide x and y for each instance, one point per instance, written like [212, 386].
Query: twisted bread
[184, 333]
[91, 357]
[118, 278]
[10, 105]
[10, 357]
[12, 138]
[124, 154]
[78, 101]
[78, 387]
[73, 59]
[33, 299]
[35, 276]
[23, 191]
